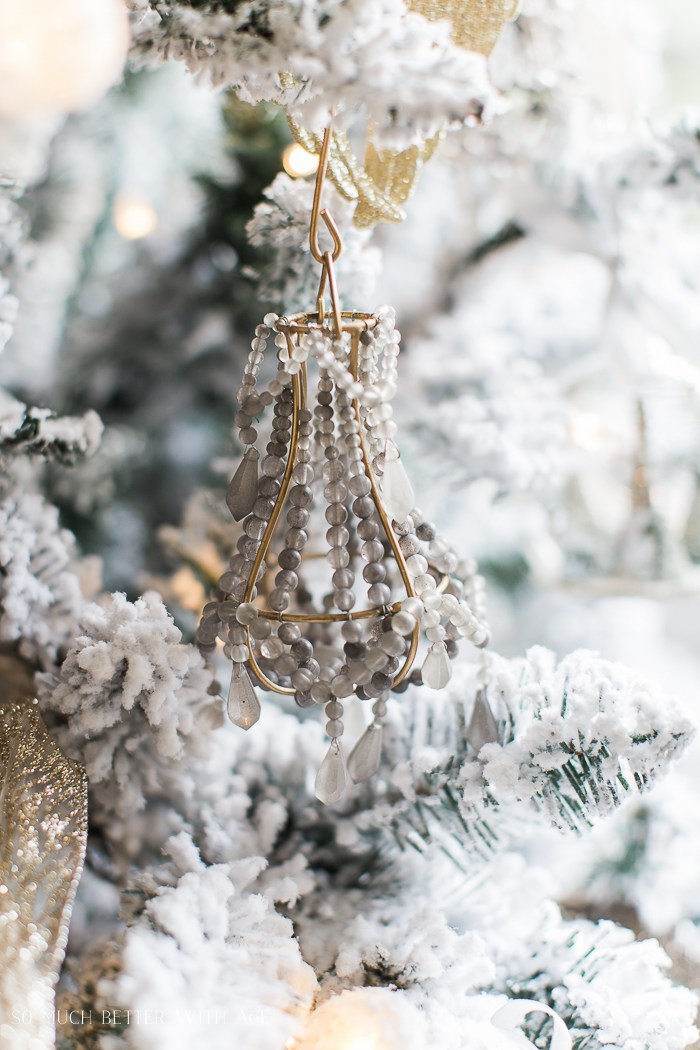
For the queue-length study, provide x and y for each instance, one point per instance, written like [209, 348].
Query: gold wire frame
[293, 328]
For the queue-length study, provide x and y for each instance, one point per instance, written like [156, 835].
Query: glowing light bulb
[59, 55]
[297, 162]
[134, 216]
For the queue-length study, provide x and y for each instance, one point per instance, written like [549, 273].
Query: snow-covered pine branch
[126, 700]
[291, 278]
[40, 597]
[575, 740]
[39, 432]
[207, 947]
[403, 71]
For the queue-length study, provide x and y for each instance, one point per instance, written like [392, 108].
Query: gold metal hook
[316, 212]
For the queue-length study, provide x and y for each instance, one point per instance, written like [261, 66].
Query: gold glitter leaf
[43, 833]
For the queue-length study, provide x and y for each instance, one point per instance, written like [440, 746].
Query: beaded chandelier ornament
[340, 456]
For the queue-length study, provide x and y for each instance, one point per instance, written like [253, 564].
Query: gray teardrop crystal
[482, 725]
[330, 780]
[363, 760]
[243, 705]
[243, 490]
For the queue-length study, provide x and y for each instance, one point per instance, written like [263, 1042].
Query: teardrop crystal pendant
[363, 760]
[436, 669]
[331, 780]
[482, 725]
[397, 491]
[243, 490]
[243, 704]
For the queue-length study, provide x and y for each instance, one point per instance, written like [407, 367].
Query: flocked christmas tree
[250, 888]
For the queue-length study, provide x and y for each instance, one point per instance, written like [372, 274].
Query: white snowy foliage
[40, 597]
[575, 739]
[127, 695]
[404, 71]
[11, 230]
[292, 277]
[39, 432]
[577, 736]
[216, 960]
[494, 933]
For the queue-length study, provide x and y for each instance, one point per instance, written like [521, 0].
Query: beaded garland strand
[345, 449]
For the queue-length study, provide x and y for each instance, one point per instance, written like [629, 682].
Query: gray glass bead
[248, 435]
[312, 665]
[279, 599]
[227, 580]
[207, 632]
[333, 470]
[379, 594]
[335, 492]
[268, 487]
[333, 709]
[236, 564]
[227, 611]
[300, 495]
[289, 559]
[334, 728]
[337, 536]
[285, 665]
[392, 643]
[255, 528]
[321, 693]
[304, 699]
[392, 666]
[374, 572]
[351, 631]
[345, 599]
[289, 633]
[272, 647]
[302, 649]
[338, 557]
[287, 580]
[372, 550]
[284, 408]
[331, 452]
[382, 681]
[363, 507]
[242, 419]
[367, 529]
[343, 578]
[249, 548]
[295, 539]
[359, 485]
[336, 514]
[272, 466]
[409, 546]
[302, 679]
[358, 672]
[260, 629]
[297, 518]
[263, 508]
[303, 474]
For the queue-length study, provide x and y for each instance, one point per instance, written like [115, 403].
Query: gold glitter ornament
[43, 826]
[389, 177]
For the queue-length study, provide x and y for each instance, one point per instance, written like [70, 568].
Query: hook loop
[316, 212]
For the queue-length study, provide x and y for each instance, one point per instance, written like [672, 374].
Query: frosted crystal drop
[397, 491]
[243, 704]
[436, 669]
[330, 780]
[482, 725]
[363, 760]
[243, 490]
